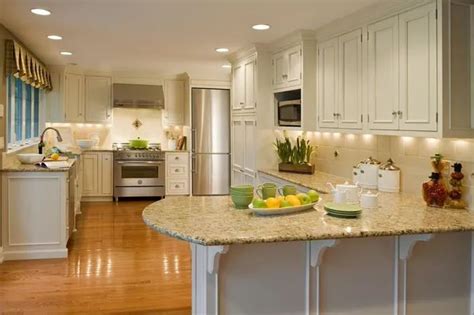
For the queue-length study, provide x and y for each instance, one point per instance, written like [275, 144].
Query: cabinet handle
[394, 113]
[176, 158]
[176, 170]
[176, 186]
[400, 113]
[241, 103]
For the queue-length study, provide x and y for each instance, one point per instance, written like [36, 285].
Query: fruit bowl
[280, 211]
[85, 144]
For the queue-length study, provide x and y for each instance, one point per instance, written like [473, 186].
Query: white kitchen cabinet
[74, 97]
[327, 83]
[97, 177]
[177, 173]
[418, 91]
[175, 91]
[383, 72]
[349, 104]
[244, 85]
[39, 226]
[98, 104]
[287, 69]
[340, 82]
[243, 149]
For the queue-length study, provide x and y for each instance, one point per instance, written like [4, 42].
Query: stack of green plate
[343, 210]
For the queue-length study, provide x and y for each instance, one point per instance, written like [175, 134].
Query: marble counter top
[18, 167]
[214, 220]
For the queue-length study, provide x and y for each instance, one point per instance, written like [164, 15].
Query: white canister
[356, 174]
[369, 171]
[389, 177]
[369, 200]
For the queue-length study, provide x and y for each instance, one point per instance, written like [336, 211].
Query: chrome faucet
[41, 143]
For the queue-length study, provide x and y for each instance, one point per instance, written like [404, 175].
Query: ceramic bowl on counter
[86, 144]
[30, 158]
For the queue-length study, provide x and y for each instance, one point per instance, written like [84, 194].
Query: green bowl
[241, 193]
[241, 202]
[242, 188]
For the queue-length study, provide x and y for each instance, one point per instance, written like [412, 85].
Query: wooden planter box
[296, 168]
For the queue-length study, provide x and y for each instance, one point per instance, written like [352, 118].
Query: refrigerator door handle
[193, 140]
[193, 164]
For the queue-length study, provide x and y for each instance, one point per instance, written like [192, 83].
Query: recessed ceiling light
[39, 11]
[226, 66]
[261, 27]
[222, 50]
[66, 53]
[55, 37]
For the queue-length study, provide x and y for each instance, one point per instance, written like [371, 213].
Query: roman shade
[23, 64]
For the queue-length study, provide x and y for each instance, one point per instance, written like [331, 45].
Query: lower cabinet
[243, 149]
[38, 213]
[177, 173]
[97, 176]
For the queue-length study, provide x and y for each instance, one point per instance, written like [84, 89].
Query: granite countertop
[212, 220]
[317, 181]
[18, 167]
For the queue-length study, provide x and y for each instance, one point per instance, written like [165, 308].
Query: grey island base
[401, 258]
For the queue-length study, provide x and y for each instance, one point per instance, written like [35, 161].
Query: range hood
[138, 96]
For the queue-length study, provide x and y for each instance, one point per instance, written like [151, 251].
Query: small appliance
[289, 113]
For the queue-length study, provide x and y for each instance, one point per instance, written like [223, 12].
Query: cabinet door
[98, 98]
[249, 145]
[280, 70]
[383, 74]
[418, 101]
[90, 182]
[349, 105]
[238, 143]
[293, 57]
[74, 97]
[106, 174]
[327, 83]
[239, 87]
[174, 101]
[250, 84]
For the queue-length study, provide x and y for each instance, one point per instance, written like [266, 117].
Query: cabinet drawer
[177, 158]
[177, 170]
[177, 187]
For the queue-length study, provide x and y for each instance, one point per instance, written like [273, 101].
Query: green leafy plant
[299, 154]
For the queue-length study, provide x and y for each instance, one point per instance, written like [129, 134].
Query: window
[23, 112]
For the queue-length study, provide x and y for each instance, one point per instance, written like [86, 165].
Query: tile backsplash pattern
[411, 154]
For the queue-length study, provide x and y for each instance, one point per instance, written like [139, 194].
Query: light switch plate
[2, 110]
[2, 143]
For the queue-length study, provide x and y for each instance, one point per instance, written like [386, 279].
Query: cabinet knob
[176, 158]
[176, 170]
[394, 113]
[400, 113]
[241, 103]
[176, 186]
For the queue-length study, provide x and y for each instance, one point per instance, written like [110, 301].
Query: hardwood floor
[116, 264]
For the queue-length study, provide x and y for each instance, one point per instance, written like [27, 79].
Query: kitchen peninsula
[401, 258]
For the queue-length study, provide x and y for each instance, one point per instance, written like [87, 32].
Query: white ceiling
[161, 36]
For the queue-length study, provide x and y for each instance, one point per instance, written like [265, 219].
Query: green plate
[342, 207]
[346, 216]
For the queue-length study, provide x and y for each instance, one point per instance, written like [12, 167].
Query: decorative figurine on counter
[455, 195]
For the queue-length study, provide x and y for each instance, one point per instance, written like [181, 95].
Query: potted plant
[294, 158]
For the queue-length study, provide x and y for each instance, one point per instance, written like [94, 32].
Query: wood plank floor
[116, 264]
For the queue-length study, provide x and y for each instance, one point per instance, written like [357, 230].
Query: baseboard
[35, 254]
[1, 255]
[95, 199]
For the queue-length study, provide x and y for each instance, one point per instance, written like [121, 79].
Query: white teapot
[345, 193]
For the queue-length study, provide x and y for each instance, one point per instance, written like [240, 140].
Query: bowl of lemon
[285, 204]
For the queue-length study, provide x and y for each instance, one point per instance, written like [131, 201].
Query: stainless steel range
[138, 173]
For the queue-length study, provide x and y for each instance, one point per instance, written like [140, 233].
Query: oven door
[289, 114]
[139, 173]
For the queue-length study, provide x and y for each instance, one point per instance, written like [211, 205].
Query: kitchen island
[401, 258]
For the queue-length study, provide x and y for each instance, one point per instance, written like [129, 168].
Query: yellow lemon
[54, 156]
[281, 198]
[272, 203]
[293, 200]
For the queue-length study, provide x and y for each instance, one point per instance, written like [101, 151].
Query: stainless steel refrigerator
[210, 141]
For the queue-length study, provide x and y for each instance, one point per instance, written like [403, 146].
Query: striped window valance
[22, 64]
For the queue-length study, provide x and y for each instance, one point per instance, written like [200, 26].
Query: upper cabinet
[97, 98]
[340, 81]
[79, 98]
[287, 69]
[403, 72]
[244, 83]
[175, 91]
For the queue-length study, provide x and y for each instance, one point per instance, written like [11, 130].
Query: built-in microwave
[289, 113]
